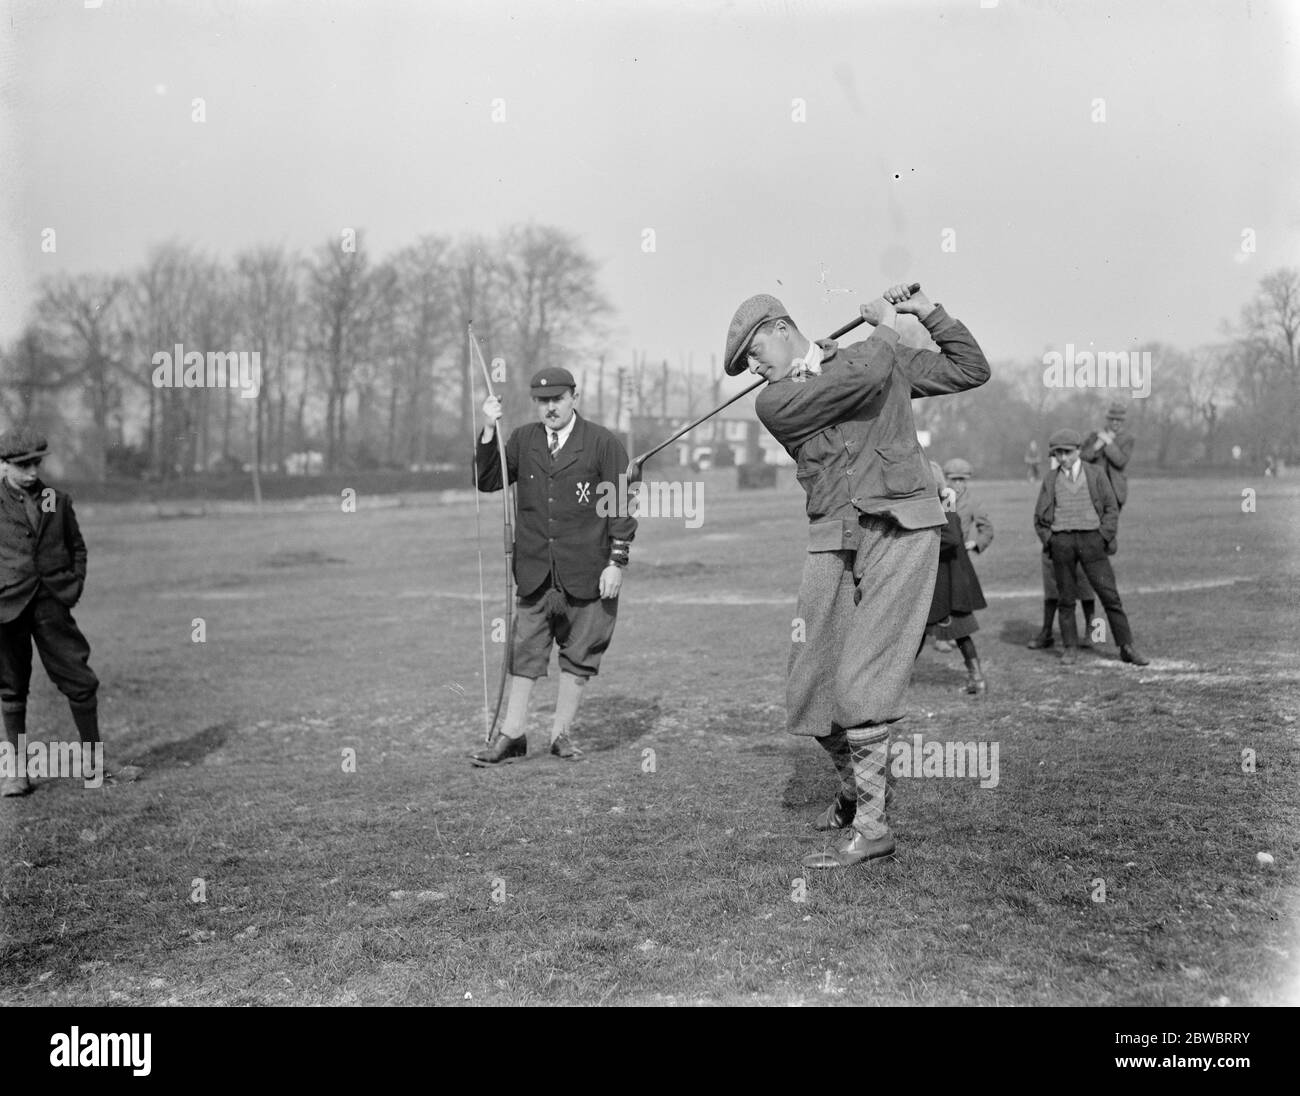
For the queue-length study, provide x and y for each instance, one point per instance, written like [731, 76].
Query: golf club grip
[915, 287]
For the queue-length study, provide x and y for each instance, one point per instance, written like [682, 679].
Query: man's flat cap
[1116, 410]
[22, 444]
[958, 469]
[749, 317]
[1063, 439]
[548, 381]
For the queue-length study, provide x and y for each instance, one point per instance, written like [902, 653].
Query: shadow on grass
[614, 722]
[185, 751]
[1018, 632]
[812, 782]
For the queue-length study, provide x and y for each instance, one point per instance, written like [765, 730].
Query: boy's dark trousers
[1088, 550]
[64, 652]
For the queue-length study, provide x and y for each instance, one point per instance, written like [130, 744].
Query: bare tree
[165, 301]
[552, 308]
[270, 316]
[425, 342]
[82, 317]
[346, 297]
[1208, 389]
[1268, 362]
[30, 374]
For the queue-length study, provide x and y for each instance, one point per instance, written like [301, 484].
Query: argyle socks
[869, 750]
[837, 745]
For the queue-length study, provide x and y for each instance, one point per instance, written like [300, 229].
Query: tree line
[363, 360]
[366, 361]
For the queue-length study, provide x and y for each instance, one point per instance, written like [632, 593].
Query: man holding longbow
[568, 559]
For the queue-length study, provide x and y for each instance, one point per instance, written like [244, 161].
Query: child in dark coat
[957, 594]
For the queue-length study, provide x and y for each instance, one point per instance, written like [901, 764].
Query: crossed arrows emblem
[584, 492]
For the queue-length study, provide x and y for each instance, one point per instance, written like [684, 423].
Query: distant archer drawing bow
[634, 467]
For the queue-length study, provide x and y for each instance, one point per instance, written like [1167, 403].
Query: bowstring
[478, 534]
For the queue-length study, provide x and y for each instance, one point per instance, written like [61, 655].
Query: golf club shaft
[636, 464]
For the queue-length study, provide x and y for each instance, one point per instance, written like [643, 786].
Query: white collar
[811, 362]
[563, 433]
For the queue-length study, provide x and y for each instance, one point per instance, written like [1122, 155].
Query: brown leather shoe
[838, 815]
[564, 749]
[850, 850]
[502, 751]
[1040, 641]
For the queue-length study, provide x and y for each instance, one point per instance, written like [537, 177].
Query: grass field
[416, 879]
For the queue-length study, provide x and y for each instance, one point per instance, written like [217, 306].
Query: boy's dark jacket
[1103, 500]
[52, 553]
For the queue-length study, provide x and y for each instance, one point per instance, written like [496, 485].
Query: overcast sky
[680, 117]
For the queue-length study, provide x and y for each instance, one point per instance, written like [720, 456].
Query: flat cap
[1116, 410]
[546, 382]
[1064, 438]
[22, 443]
[749, 317]
[958, 469]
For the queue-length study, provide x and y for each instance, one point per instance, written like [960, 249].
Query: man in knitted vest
[1076, 519]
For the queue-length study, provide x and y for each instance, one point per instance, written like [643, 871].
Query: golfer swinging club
[845, 416]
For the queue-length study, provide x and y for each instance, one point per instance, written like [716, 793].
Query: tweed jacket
[1113, 458]
[851, 432]
[53, 553]
[567, 512]
[1103, 499]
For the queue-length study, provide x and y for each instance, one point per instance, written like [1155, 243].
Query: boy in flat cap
[1077, 520]
[845, 415]
[42, 573]
[568, 560]
[976, 525]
